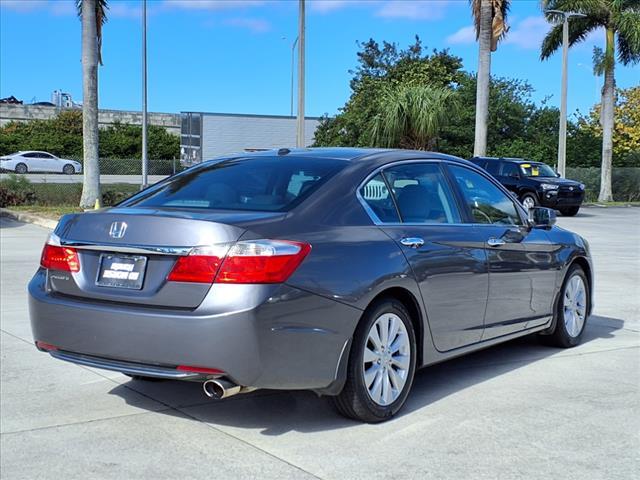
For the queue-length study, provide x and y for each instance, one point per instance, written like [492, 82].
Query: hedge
[625, 182]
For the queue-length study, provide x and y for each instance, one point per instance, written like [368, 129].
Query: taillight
[256, 261]
[262, 261]
[200, 266]
[55, 257]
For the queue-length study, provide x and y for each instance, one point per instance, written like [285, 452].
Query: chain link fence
[625, 182]
[43, 186]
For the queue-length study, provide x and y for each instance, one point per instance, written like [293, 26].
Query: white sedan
[32, 161]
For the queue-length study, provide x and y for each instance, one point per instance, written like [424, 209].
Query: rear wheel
[68, 169]
[569, 211]
[21, 168]
[572, 310]
[529, 200]
[381, 366]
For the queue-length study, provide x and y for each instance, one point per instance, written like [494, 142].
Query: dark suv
[535, 183]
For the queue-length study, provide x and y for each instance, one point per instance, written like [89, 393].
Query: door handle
[413, 242]
[495, 242]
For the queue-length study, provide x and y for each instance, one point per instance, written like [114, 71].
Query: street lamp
[293, 49]
[301, 42]
[145, 160]
[562, 141]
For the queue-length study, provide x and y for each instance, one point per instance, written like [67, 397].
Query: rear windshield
[259, 184]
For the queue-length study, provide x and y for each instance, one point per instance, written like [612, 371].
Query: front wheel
[569, 211]
[68, 169]
[529, 200]
[382, 364]
[21, 168]
[572, 310]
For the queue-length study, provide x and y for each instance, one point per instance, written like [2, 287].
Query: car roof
[348, 154]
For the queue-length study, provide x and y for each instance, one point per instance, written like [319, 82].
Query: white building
[204, 136]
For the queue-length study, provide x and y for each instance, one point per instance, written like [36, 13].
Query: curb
[29, 218]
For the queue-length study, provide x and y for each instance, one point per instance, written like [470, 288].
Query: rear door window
[259, 184]
[377, 197]
[493, 168]
[422, 193]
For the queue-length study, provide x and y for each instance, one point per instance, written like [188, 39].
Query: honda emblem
[117, 229]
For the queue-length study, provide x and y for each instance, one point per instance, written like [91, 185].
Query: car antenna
[283, 151]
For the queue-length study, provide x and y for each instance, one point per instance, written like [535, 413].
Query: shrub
[625, 182]
[16, 190]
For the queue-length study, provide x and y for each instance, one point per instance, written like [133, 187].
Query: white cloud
[463, 36]
[326, 6]
[528, 33]
[254, 25]
[211, 4]
[414, 9]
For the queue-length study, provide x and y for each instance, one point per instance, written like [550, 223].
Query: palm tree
[621, 21]
[411, 116]
[92, 13]
[490, 18]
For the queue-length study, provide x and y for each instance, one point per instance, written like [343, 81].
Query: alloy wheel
[387, 358]
[528, 203]
[574, 305]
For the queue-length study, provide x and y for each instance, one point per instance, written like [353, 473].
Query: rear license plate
[121, 271]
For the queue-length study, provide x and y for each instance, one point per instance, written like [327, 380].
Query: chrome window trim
[374, 218]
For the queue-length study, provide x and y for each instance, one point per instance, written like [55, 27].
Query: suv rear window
[259, 184]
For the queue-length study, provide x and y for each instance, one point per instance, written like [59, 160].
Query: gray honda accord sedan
[340, 271]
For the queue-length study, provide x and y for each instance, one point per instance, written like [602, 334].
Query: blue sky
[234, 55]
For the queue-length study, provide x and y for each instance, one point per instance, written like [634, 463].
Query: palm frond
[579, 28]
[412, 116]
[628, 28]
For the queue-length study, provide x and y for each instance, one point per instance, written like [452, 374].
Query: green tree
[382, 69]
[93, 16]
[412, 116]
[490, 18]
[621, 22]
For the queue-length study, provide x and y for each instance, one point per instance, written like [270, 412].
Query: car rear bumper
[278, 337]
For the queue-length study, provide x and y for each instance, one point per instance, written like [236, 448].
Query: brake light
[200, 266]
[257, 261]
[60, 258]
[262, 261]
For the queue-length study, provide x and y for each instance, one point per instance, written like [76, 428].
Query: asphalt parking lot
[519, 410]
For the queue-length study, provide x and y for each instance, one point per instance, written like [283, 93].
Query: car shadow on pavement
[279, 412]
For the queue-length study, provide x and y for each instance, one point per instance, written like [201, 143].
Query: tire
[529, 200]
[566, 334]
[355, 401]
[569, 211]
[21, 168]
[68, 169]
[144, 379]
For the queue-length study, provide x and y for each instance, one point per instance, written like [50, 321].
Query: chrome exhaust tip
[219, 388]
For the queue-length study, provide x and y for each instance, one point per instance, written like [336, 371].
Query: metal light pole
[562, 140]
[293, 49]
[145, 160]
[300, 120]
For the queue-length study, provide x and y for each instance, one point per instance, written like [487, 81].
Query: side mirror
[557, 175]
[540, 217]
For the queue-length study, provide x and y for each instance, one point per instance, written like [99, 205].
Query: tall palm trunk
[484, 71]
[91, 186]
[608, 103]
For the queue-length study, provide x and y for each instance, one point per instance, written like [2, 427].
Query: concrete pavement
[519, 410]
